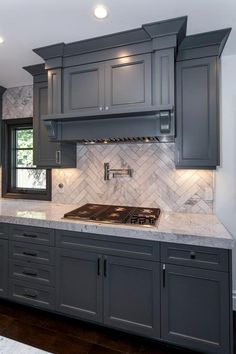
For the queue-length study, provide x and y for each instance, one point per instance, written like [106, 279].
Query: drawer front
[195, 256]
[35, 295]
[4, 230]
[32, 253]
[32, 234]
[132, 248]
[32, 272]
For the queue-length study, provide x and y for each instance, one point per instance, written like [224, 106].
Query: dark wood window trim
[6, 165]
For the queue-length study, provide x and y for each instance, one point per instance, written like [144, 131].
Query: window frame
[7, 190]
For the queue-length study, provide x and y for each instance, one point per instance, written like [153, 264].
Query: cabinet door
[131, 295]
[128, 84]
[48, 154]
[197, 113]
[3, 267]
[79, 284]
[195, 309]
[44, 150]
[84, 89]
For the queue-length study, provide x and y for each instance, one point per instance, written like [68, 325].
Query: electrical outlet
[60, 188]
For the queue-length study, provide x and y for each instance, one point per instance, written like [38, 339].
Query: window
[21, 178]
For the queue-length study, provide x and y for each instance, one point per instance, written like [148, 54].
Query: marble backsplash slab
[155, 181]
[18, 102]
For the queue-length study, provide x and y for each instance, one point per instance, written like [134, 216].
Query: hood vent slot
[120, 140]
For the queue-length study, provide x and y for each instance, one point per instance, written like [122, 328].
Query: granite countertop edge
[225, 240]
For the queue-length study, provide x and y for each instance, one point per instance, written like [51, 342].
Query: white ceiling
[28, 24]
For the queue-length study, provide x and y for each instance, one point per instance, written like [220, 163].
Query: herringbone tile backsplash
[155, 180]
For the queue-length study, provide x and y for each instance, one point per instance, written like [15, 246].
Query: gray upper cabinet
[79, 282]
[47, 154]
[3, 267]
[119, 86]
[44, 151]
[197, 140]
[195, 309]
[84, 88]
[131, 295]
[128, 83]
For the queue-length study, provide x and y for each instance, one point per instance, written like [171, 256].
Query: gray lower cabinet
[3, 267]
[79, 284]
[174, 293]
[195, 308]
[197, 121]
[131, 295]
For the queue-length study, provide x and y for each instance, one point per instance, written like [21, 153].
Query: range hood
[115, 88]
[147, 127]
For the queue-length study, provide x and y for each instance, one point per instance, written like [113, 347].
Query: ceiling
[28, 24]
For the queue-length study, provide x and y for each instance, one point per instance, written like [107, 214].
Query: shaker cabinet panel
[84, 88]
[79, 284]
[197, 113]
[195, 309]
[128, 83]
[44, 150]
[48, 154]
[132, 295]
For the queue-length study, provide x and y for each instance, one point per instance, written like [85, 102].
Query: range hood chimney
[113, 89]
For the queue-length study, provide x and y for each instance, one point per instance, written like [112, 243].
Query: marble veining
[18, 102]
[9, 346]
[192, 229]
[155, 180]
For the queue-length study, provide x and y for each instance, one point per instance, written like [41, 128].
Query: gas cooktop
[116, 214]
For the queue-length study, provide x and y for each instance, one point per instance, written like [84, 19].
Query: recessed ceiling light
[100, 12]
[2, 40]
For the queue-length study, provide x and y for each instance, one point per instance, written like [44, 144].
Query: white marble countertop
[192, 229]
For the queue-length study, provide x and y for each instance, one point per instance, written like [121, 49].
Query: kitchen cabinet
[31, 261]
[79, 283]
[174, 293]
[84, 88]
[131, 299]
[3, 267]
[197, 140]
[131, 295]
[120, 85]
[195, 308]
[47, 154]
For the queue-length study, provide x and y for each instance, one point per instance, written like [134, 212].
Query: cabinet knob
[192, 255]
[100, 108]
[106, 108]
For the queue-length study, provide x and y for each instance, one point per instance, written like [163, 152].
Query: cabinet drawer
[4, 231]
[200, 257]
[32, 253]
[120, 246]
[32, 272]
[32, 234]
[36, 295]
